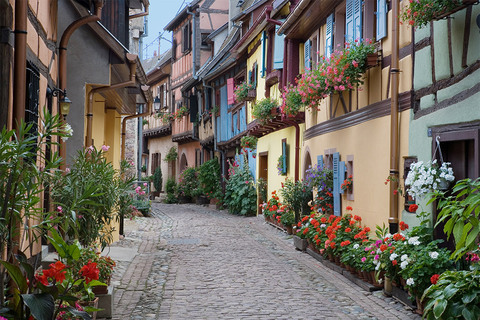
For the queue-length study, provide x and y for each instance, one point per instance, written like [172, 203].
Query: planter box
[300, 244]
[372, 60]
[465, 3]
[251, 95]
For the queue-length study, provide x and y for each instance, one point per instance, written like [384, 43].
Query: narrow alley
[192, 262]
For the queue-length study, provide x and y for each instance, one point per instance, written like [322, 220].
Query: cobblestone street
[192, 262]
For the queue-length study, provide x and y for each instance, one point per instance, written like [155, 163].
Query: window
[31, 103]
[187, 37]
[349, 168]
[252, 74]
[174, 49]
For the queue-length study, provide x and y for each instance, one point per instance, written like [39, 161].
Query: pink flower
[355, 63]
[67, 170]
[105, 148]
[90, 149]
[60, 209]
[145, 184]
[364, 259]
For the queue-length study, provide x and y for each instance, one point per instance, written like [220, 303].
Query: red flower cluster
[345, 243]
[56, 272]
[90, 271]
[403, 226]
[434, 278]
[413, 208]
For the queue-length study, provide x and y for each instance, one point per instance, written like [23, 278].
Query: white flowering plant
[425, 177]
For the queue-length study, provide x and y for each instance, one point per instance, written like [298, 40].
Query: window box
[372, 60]
[251, 95]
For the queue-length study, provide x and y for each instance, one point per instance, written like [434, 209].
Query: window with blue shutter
[329, 36]
[341, 175]
[320, 162]
[307, 49]
[264, 54]
[336, 184]
[349, 27]
[278, 50]
[381, 19]
[357, 20]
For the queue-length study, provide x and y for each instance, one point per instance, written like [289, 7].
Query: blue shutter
[341, 175]
[235, 127]
[264, 54]
[357, 20]
[252, 163]
[243, 120]
[307, 49]
[381, 19]
[349, 28]
[224, 115]
[278, 50]
[320, 162]
[336, 185]
[329, 37]
[218, 129]
[250, 79]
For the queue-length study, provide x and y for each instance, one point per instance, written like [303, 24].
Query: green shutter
[336, 184]
[264, 54]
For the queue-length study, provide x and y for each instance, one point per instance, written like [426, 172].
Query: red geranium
[394, 262]
[413, 208]
[349, 208]
[434, 278]
[403, 225]
[90, 271]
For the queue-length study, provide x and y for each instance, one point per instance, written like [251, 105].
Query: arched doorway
[307, 164]
[183, 162]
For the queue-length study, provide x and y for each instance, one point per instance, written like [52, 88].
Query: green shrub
[209, 179]
[158, 179]
[240, 193]
[170, 187]
[187, 183]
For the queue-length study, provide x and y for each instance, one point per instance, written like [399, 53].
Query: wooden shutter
[320, 162]
[278, 50]
[264, 54]
[230, 89]
[307, 49]
[329, 36]
[336, 184]
[381, 19]
[341, 175]
[349, 27]
[357, 20]
[193, 108]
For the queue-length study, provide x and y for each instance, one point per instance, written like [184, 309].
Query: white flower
[356, 246]
[393, 256]
[388, 235]
[410, 281]
[433, 255]
[404, 264]
[414, 241]
[404, 257]
[323, 225]
[68, 131]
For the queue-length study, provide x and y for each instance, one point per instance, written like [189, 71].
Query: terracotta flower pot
[289, 230]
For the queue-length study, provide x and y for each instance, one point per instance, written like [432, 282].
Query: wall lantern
[157, 103]
[64, 102]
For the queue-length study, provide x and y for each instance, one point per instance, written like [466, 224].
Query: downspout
[194, 36]
[124, 122]
[62, 61]
[394, 130]
[141, 14]
[297, 149]
[20, 63]
[268, 11]
[132, 82]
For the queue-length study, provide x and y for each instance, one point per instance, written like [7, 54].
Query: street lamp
[157, 103]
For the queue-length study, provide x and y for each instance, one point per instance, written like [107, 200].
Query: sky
[161, 13]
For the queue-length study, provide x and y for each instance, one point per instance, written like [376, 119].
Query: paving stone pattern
[193, 262]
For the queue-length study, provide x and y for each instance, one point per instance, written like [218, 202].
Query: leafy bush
[158, 179]
[172, 154]
[262, 110]
[296, 195]
[170, 188]
[209, 176]
[240, 194]
[187, 182]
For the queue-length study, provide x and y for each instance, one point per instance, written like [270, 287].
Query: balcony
[257, 129]
[156, 128]
[184, 131]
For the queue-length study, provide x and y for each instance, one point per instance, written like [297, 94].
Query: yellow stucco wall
[369, 143]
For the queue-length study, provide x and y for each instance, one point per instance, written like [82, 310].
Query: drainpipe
[132, 82]
[194, 36]
[141, 14]
[394, 129]
[297, 149]
[268, 11]
[20, 62]
[124, 122]
[62, 61]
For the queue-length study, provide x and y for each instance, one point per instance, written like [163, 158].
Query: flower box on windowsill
[251, 95]
[372, 60]
[465, 3]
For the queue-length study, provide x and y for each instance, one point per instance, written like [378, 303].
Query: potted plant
[288, 220]
[296, 196]
[420, 12]
[249, 142]
[265, 109]
[423, 177]
[291, 101]
[241, 91]
[347, 185]
[172, 155]
[321, 179]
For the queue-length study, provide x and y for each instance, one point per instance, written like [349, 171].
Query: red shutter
[230, 88]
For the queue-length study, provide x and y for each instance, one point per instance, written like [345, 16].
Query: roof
[182, 15]
[248, 5]
[151, 64]
[216, 32]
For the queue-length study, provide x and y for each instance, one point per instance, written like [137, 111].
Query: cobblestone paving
[196, 263]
